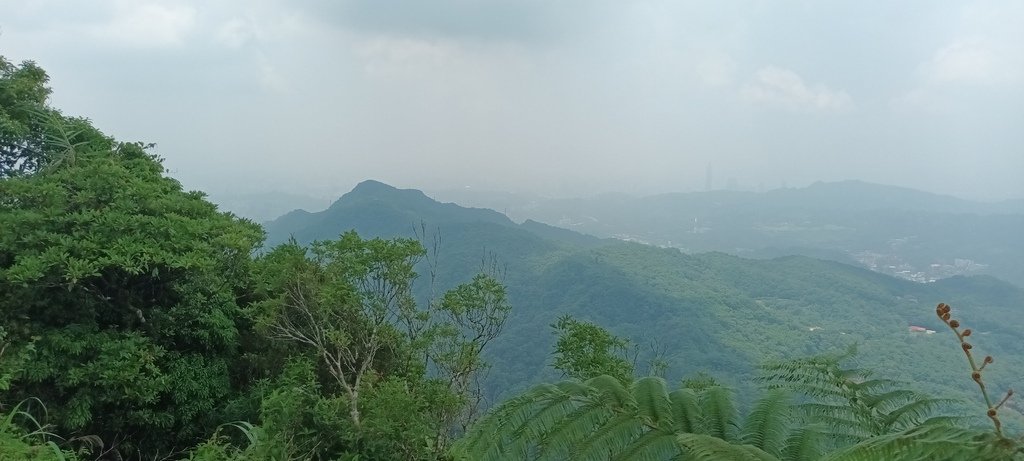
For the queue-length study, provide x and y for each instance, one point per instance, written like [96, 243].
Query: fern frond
[804, 444]
[592, 420]
[653, 404]
[509, 428]
[768, 423]
[614, 436]
[875, 385]
[686, 411]
[702, 447]
[843, 431]
[653, 445]
[852, 405]
[913, 413]
[819, 391]
[926, 442]
[575, 428]
[533, 428]
[888, 399]
[718, 412]
[611, 391]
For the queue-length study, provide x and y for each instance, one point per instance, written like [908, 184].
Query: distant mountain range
[710, 311]
[841, 195]
[902, 232]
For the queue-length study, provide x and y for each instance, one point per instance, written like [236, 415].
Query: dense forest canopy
[140, 322]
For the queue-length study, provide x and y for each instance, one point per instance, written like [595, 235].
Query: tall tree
[349, 303]
[469, 317]
[128, 288]
[585, 350]
[344, 299]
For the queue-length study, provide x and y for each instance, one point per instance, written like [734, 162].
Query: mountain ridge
[371, 198]
[912, 234]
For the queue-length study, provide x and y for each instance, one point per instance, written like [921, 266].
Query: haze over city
[557, 98]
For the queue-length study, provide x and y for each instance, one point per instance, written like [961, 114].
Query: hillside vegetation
[792, 305]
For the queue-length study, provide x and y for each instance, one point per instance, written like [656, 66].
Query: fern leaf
[767, 425]
[653, 404]
[653, 445]
[612, 391]
[702, 447]
[719, 413]
[618, 433]
[804, 444]
[926, 442]
[913, 413]
[510, 427]
[685, 411]
[572, 430]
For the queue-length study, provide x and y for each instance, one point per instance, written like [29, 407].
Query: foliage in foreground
[811, 409]
[24, 438]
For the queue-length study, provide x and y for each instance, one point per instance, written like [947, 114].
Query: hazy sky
[559, 97]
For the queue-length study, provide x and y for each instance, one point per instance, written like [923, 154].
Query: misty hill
[865, 196]
[711, 311]
[375, 208]
[903, 232]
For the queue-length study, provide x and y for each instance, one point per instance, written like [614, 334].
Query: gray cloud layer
[560, 97]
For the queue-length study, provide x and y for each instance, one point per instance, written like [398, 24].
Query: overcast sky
[558, 97]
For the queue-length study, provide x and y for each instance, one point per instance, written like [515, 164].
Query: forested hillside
[790, 306]
[138, 321]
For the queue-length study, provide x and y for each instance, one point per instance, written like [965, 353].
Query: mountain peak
[371, 189]
[375, 208]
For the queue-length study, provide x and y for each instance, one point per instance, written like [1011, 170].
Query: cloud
[971, 61]
[147, 25]
[964, 66]
[782, 87]
[554, 96]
